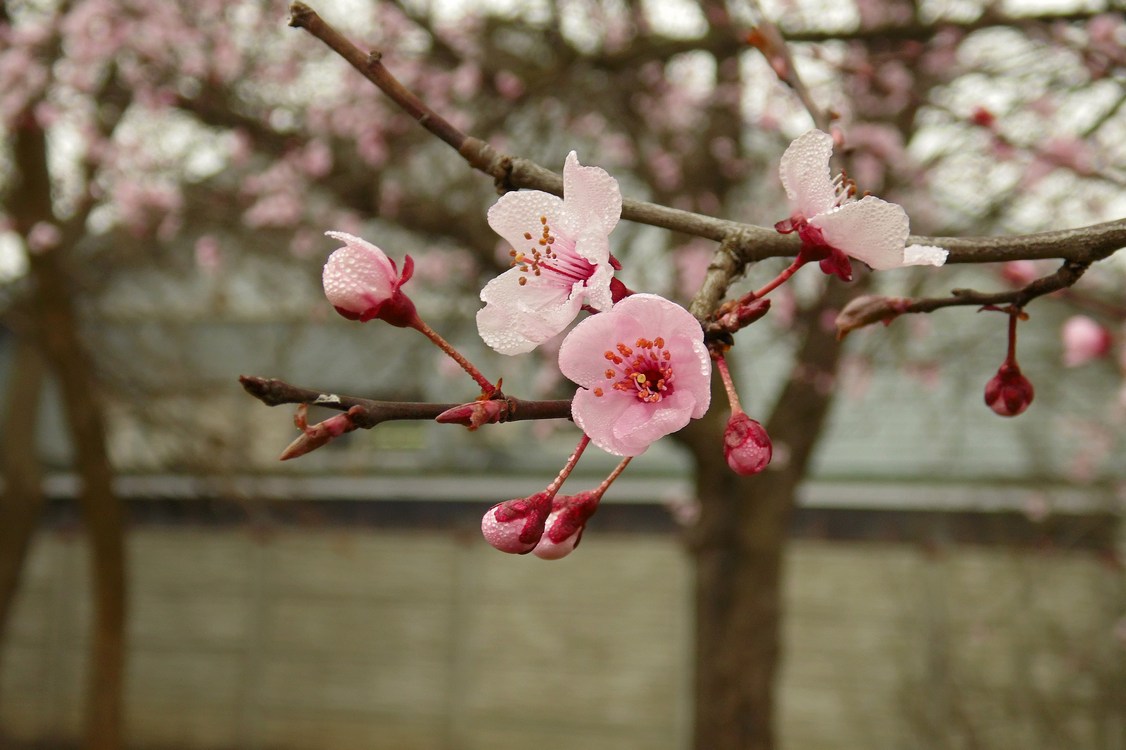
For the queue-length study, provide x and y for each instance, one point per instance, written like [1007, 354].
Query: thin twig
[1067, 275]
[275, 392]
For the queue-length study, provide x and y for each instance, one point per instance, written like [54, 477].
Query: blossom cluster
[643, 364]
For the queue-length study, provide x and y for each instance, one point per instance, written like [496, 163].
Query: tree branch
[274, 392]
[747, 242]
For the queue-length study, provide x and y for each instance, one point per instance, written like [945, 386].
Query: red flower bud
[743, 315]
[746, 445]
[566, 523]
[319, 434]
[1009, 392]
[475, 413]
[515, 526]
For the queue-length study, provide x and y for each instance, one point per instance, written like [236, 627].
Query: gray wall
[338, 639]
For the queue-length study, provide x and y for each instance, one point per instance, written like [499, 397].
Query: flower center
[643, 370]
[552, 255]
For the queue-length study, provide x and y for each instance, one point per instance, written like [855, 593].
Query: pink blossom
[644, 372]
[1083, 340]
[560, 259]
[833, 224]
[362, 283]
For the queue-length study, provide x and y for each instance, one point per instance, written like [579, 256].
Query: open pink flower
[833, 225]
[362, 283]
[644, 372]
[560, 258]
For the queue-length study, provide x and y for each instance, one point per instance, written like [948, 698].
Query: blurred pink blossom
[207, 257]
[43, 236]
[1084, 340]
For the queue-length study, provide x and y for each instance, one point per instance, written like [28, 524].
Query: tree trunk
[21, 501]
[56, 322]
[738, 544]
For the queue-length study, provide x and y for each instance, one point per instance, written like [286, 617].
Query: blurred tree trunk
[22, 499]
[58, 333]
[738, 544]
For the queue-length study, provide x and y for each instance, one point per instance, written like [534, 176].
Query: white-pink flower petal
[871, 230]
[358, 276]
[924, 255]
[519, 317]
[805, 173]
[592, 198]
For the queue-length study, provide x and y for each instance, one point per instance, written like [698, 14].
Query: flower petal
[592, 201]
[518, 317]
[642, 424]
[924, 255]
[805, 173]
[597, 415]
[358, 276]
[580, 355]
[518, 213]
[870, 230]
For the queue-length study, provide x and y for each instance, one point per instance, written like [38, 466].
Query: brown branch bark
[274, 392]
[752, 243]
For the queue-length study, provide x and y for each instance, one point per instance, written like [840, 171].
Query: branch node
[299, 15]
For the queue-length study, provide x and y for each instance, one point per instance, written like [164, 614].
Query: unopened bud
[362, 283]
[475, 413]
[1009, 392]
[515, 526]
[866, 310]
[319, 434]
[746, 446]
[565, 525]
[743, 315]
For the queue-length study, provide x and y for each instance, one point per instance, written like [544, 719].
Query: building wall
[337, 638]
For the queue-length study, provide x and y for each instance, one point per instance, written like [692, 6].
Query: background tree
[140, 129]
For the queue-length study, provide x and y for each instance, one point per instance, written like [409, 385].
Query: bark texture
[21, 501]
[57, 334]
[738, 544]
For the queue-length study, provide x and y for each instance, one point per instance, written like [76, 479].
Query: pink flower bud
[564, 528]
[362, 283]
[475, 413]
[319, 434]
[515, 526]
[743, 315]
[1083, 340]
[1009, 392]
[746, 446]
